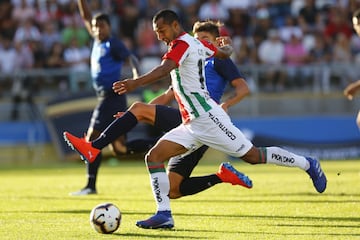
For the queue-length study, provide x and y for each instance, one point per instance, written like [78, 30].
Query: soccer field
[282, 204]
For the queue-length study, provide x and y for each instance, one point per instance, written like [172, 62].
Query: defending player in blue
[108, 55]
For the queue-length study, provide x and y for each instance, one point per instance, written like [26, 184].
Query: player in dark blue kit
[219, 73]
[107, 58]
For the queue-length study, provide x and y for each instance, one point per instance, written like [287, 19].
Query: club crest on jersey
[201, 52]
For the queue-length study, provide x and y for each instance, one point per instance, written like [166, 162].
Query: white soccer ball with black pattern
[105, 218]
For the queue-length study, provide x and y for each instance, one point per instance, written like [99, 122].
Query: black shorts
[166, 118]
[184, 166]
[109, 103]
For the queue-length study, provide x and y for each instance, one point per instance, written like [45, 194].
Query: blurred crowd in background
[50, 34]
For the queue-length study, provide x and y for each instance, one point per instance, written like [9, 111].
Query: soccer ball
[105, 218]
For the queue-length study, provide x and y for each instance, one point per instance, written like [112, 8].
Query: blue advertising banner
[325, 137]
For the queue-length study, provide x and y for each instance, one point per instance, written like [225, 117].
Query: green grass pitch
[34, 203]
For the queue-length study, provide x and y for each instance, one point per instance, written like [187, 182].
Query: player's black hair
[169, 16]
[207, 26]
[102, 17]
[356, 14]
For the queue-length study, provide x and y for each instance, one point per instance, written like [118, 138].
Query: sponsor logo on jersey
[222, 126]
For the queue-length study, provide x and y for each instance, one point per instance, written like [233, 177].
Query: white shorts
[213, 129]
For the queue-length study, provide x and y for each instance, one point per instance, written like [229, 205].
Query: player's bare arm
[165, 98]
[128, 85]
[85, 14]
[351, 89]
[241, 91]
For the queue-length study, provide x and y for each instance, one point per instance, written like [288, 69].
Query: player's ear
[176, 25]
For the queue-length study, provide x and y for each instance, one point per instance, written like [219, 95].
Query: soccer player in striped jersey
[204, 122]
[219, 73]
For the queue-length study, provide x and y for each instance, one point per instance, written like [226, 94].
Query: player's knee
[139, 109]
[252, 156]
[151, 157]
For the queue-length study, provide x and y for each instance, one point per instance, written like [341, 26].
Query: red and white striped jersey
[188, 79]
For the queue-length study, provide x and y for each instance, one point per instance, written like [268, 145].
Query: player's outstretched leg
[227, 173]
[162, 219]
[317, 175]
[87, 152]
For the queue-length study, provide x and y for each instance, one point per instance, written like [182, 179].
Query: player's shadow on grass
[156, 234]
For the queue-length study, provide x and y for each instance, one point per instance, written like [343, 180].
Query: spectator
[27, 31]
[23, 87]
[244, 52]
[278, 11]
[296, 57]
[271, 53]
[46, 12]
[343, 59]
[262, 24]
[338, 22]
[74, 30]
[77, 59]
[310, 17]
[148, 46]
[320, 59]
[23, 12]
[56, 60]
[55, 57]
[8, 57]
[290, 28]
[50, 35]
[7, 62]
[7, 22]
[213, 10]
[129, 19]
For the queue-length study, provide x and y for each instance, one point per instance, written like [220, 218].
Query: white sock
[283, 157]
[161, 186]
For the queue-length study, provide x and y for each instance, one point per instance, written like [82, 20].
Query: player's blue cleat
[162, 219]
[227, 173]
[317, 175]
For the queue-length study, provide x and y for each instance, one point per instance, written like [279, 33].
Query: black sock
[118, 127]
[194, 185]
[92, 171]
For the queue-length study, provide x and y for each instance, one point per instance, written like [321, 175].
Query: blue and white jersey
[107, 59]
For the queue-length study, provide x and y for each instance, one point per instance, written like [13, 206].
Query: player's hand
[223, 41]
[118, 114]
[124, 86]
[224, 106]
[350, 90]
